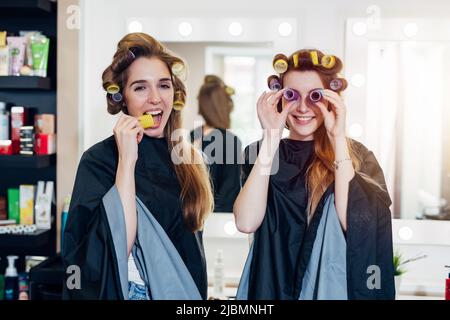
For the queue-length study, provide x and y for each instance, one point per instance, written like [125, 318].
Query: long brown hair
[196, 195]
[320, 173]
[215, 104]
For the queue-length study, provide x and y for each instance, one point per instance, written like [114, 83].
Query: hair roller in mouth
[274, 83]
[146, 121]
[291, 95]
[315, 95]
[280, 63]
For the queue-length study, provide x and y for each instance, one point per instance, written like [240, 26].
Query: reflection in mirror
[408, 119]
[221, 148]
[219, 130]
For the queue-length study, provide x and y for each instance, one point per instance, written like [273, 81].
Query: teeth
[154, 113]
[303, 118]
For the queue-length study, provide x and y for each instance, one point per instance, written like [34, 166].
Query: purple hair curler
[291, 95]
[274, 84]
[315, 95]
[117, 97]
[131, 55]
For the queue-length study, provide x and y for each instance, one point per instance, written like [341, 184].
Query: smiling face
[149, 90]
[304, 120]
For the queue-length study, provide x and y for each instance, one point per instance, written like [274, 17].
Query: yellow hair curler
[314, 58]
[178, 69]
[146, 121]
[229, 90]
[113, 88]
[295, 59]
[178, 101]
[280, 63]
[328, 61]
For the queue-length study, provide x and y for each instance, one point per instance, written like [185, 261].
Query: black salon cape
[225, 176]
[88, 240]
[284, 241]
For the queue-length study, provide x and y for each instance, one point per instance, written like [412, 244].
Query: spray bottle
[11, 280]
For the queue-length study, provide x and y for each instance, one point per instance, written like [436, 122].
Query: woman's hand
[128, 133]
[334, 115]
[271, 120]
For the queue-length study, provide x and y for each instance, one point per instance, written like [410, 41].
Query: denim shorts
[137, 291]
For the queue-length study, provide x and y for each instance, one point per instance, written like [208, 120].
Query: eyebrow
[145, 81]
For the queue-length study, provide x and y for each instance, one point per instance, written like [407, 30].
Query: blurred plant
[399, 262]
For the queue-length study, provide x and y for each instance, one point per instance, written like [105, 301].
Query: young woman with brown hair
[221, 147]
[137, 210]
[321, 217]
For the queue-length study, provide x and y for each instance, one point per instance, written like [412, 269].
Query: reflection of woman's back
[221, 147]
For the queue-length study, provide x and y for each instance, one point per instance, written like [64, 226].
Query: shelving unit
[31, 244]
[24, 83]
[39, 94]
[27, 162]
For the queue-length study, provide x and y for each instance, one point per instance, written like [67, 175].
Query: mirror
[404, 111]
[244, 67]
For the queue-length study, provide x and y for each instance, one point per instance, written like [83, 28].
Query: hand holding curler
[271, 120]
[334, 112]
[128, 133]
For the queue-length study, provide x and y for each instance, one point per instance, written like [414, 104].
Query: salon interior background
[322, 24]
[383, 43]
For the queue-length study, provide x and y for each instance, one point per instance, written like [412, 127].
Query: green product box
[13, 205]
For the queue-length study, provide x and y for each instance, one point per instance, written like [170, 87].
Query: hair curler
[280, 63]
[146, 121]
[315, 95]
[338, 84]
[291, 95]
[274, 83]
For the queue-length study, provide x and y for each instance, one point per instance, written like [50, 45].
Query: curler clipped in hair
[178, 68]
[229, 90]
[117, 97]
[328, 61]
[178, 100]
[338, 84]
[131, 55]
[274, 82]
[280, 63]
[112, 88]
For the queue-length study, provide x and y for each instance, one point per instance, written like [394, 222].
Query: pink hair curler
[274, 83]
[291, 95]
[315, 95]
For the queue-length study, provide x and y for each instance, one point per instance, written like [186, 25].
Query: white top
[133, 272]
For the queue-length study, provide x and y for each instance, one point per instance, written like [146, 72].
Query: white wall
[321, 25]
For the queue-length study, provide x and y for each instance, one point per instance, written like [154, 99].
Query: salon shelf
[22, 161]
[35, 243]
[25, 82]
[25, 7]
